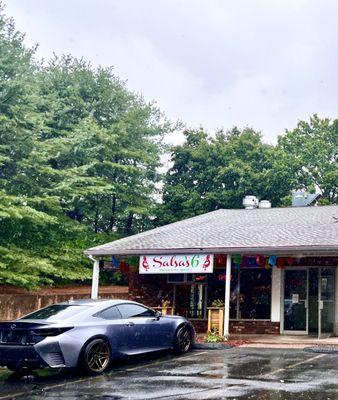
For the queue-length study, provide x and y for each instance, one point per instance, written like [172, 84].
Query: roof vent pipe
[250, 202]
[264, 204]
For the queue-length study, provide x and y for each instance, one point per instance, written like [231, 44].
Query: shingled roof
[279, 230]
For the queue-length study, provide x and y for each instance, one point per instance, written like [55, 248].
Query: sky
[214, 63]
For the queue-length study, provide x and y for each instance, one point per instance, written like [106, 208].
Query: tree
[102, 155]
[212, 173]
[309, 153]
[78, 162]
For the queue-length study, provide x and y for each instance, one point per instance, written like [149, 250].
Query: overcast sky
[215, 63]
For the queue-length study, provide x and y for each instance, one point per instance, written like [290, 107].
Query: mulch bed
[228, 344]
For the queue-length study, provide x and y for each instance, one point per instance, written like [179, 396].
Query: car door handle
[130, 324]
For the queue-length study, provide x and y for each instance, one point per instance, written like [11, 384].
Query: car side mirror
[158, 315]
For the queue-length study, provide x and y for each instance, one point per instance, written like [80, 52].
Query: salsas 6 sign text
[177, 264]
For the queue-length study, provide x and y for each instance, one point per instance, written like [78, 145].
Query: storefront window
[197, 301]
[190, 294]
[234, 291]
[250, 294]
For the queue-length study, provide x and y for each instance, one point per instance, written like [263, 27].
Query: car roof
[90, 307]
[96, 302]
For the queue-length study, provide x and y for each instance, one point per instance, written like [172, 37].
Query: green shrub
[214, 337]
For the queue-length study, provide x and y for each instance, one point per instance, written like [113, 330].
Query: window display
[250, 296]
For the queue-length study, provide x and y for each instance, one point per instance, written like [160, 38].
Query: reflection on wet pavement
[228, 374]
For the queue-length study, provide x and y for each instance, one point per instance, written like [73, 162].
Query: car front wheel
[96, 356]
[183, 340]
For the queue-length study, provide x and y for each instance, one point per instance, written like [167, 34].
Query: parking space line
[47, 387]
[163, 361]
[293, 365]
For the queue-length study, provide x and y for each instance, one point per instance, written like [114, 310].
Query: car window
[56, 312]
[109, 313]
[134, 310]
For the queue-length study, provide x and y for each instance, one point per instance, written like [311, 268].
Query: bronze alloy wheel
[98, 356]
[184, 340]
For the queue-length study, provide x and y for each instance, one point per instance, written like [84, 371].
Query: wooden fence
[15, 302]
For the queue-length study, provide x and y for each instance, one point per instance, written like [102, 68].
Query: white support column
[336, 293]
[276, 295]
[95, 279]
[227, 296]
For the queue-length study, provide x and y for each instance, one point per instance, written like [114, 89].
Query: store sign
[177, 264]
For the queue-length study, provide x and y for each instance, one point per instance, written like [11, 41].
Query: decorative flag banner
[245, 262]
[267, 265]
[237, 259]
[281, 262]
[177, 264]
[252, 263]
[115, 262]
[124, 267]
[273, 261]
[289, 261]
[261, 261]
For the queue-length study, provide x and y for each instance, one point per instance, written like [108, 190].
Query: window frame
[139, 305]
[238, 272]
[188, 279]
[97, 315]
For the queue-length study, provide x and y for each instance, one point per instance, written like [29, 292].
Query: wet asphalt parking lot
[237, 373]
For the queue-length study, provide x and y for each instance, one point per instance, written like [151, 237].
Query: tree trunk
[129, 224]
[112, 219]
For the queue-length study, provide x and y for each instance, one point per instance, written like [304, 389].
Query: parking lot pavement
[238, 373]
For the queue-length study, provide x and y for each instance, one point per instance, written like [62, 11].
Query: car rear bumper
[20, 356]
[42, 355]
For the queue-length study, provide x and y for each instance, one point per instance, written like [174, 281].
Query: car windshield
[56, 312]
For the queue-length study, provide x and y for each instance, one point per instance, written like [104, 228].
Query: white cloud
[211, 62]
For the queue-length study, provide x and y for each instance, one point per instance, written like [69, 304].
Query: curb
[212, 346]
[322, 349]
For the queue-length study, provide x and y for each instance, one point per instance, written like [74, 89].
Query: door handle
[130, 324]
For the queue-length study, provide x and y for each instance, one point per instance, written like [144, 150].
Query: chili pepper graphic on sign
[145, 264]
[206, 262]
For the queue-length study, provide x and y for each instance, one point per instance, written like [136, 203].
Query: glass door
[296, 301]
[326, 302]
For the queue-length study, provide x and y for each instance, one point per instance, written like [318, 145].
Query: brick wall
[254, 327]
[200, 325]
[150, 290]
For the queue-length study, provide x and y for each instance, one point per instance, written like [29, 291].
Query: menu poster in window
[177, 264]
[295, 298]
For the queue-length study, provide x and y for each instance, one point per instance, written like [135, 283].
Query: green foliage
[209, 173]
[212, 173]
[79, 158]
[78, 163]
[214, 337]
[310, 153]
[217, 303]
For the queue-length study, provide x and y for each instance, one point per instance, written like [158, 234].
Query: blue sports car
[89, 334]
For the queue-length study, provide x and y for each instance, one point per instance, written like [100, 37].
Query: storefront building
[270, 271]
